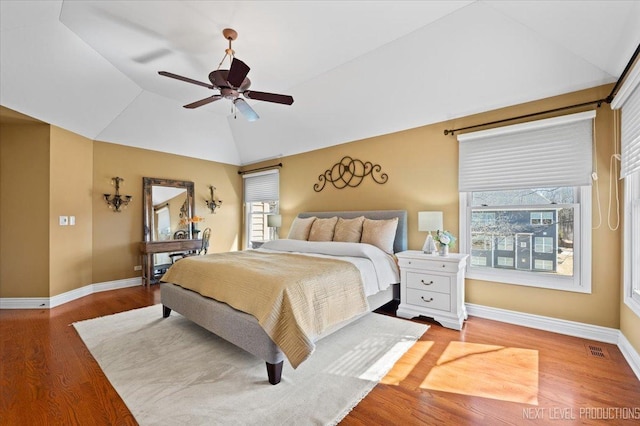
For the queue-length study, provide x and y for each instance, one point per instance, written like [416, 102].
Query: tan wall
[630, 326]
[116, 235]
[70, 183]
[422, 165]
[24, 210]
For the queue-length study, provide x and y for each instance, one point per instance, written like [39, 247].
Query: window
[261, 197]
[525, 203]
[632, 238]
[541, 218]
[627, 100]
[543, 265]
[545, 244]
[505, 243]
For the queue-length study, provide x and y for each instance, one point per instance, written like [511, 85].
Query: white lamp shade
[274, 220]
[429, 221]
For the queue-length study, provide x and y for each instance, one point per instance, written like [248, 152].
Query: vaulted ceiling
[356, 69]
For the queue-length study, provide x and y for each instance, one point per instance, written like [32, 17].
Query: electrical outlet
[137, 268]
[64, 220]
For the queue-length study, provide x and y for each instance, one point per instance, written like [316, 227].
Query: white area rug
[173, 372]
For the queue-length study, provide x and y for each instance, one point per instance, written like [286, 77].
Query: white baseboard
[60, 299]
[569, 328]
[630, 354]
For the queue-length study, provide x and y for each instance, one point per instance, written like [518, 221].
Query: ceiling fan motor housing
[219, 80]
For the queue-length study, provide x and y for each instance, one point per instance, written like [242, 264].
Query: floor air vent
[596, 351]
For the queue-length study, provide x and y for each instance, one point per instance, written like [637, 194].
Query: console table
[149, 248]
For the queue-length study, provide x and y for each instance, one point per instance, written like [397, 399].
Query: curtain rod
[259, 169]
[607, 100]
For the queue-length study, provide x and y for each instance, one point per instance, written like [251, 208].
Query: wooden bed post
[274, 371]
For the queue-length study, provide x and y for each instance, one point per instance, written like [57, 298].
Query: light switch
[72, 220]
[64, 220]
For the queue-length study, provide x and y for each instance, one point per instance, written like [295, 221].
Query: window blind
[628, 101]
[263, 186]
[544, 153]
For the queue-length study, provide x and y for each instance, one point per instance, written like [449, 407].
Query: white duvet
[377, 268]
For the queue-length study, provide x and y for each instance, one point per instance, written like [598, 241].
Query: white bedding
[377, 268]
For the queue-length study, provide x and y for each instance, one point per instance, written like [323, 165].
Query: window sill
[534, 279]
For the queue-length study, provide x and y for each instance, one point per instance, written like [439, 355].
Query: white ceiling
[356, 69]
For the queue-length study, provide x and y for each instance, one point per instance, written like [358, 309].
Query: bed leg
[165, 312]
[274, 371]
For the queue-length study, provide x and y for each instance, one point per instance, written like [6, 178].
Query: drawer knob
[429, 283]
[425, 300]
[444, 266]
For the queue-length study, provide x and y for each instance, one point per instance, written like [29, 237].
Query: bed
[244, 329]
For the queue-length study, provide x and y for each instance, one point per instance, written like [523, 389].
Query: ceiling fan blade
[246, 110]
[268, 97]
[187, 79]
[204, 101]
[237, 73]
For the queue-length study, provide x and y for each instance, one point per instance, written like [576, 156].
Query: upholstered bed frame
[243, 329]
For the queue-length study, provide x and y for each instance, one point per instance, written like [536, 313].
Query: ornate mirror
[168, 204]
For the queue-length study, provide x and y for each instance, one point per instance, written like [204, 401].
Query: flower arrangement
[445, 238]
[191, 220]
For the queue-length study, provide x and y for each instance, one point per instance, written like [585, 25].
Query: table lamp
[427, 222]
[274, 221]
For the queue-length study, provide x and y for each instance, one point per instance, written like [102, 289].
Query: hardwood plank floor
[47, 376]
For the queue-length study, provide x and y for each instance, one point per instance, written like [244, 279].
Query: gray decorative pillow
[348, 230]
[322, 229]
[380, 233]
[300, 228]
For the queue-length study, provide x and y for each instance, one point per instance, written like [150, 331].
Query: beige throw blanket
[294, 297]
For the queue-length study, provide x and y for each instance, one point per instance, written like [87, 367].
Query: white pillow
[300, 228]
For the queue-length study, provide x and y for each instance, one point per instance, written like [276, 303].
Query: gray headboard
[400, 242]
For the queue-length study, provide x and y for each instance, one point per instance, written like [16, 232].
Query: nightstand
[433, 286]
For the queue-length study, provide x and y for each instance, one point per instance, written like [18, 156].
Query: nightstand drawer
[429, 299]
[429, 282]
[432, 264]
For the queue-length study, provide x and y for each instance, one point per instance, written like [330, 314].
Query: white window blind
[628, 100]
[544, 153]
[263, 186]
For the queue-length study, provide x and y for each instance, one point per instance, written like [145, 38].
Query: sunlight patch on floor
[405, 365]
[497, 372]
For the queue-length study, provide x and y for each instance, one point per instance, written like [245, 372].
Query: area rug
[489, 371]
[171, 371]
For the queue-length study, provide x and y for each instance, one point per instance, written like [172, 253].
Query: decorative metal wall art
[350, 172]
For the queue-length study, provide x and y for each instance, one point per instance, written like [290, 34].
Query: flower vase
[444, 250]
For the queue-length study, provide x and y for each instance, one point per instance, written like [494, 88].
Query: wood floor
[47, 376]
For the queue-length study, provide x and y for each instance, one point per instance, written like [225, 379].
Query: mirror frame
[147, 184]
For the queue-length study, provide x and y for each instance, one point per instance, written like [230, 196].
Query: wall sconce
[274, 221]
[213, 204]
[116, 201]
[429, 221]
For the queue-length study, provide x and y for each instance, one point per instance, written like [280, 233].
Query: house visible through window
[532, 230]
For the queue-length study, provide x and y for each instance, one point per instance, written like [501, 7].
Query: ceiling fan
[232, 83]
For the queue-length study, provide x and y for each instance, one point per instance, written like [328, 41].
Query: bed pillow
[380, 233]
[300, 228]
[348, 230]
[322, 229]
